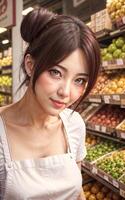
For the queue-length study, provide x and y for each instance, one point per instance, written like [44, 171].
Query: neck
[30, 113]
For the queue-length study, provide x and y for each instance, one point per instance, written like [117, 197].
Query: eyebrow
[79, 74]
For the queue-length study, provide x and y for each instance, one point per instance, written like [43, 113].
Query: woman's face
[62, 85]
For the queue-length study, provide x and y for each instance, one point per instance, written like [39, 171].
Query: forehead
[76, 62]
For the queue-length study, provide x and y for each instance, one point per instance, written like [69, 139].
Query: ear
[29, 64]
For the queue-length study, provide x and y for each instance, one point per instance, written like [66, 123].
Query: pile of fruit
[109, 116]
[92, 140]
[5, 81]
[6, 61]
[115, 50]
[113, 164]
[116, 9]
[116, 85]
[122, 126]
[102, 81]
[97, 191]
[101, 149]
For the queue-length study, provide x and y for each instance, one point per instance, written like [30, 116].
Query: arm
[81, 196]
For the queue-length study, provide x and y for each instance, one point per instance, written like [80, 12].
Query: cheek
[76, 93]
[44, 82]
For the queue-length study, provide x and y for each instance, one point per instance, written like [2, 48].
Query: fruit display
[114, 164]
[6, 61]
[115, 50]
[101, 149]
[92, 140]
[101, 83]
[121, 126]
[108, 115]
[5, 81]
[97, 191]
[116, 9]
[5, 99]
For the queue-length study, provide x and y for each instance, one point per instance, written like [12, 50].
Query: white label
[104, 63]
[119, 62]
[122, 193]
[107, 99]
[97, 127]
[103, 129]
[123, 19]
[116, 97]
[106, 178]
[115, 183]
[95, 100]
[94, 170]
[123, 135]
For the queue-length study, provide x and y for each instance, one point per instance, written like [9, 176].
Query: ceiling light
[5, 41]
[27, 10]
[2, 30]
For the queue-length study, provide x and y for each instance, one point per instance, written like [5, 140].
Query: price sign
[115, 183]
[107, 99]
[103, 129]
[122, 193]
[116, 97]
[122, 135]
[94, 170]
[123, 19]
[104, 63]
[97, 127]
[106, 178]
[119, 62]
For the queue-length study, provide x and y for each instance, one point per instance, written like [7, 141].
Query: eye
[80, 81]
[55, 73]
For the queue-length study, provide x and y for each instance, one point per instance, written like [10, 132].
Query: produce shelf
[112, 137]
[5, 93]
[101, 180]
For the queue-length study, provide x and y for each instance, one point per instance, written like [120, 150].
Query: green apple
[112, 48]
[117, 53]
[123, 48]
[104, 51]
[123, 55]
[120, 42]
[108, 57]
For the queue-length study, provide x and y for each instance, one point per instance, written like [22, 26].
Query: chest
[25, 142]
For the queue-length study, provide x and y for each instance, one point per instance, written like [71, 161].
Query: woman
[42, 141]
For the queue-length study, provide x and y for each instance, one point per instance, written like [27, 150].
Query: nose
[64, 89]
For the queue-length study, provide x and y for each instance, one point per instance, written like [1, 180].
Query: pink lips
[58, 104]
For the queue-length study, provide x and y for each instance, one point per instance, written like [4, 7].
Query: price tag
[119, 62]
[95, 100]
[107, 99]
[97, 127]
[106, 178]
[116, 97]
[123, 19]
[94, 170]
[122, 193]
[122, 135]
[115, 183]
[104, 63]
[103, 129]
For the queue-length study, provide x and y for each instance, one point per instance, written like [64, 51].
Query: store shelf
[111, 35]
[112, 137]
[95, 176]
[5, 93]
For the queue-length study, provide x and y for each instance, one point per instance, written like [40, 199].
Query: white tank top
[54, 177]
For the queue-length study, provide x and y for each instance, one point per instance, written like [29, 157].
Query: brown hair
[53, 37]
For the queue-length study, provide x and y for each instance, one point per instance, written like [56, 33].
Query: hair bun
[34, 22]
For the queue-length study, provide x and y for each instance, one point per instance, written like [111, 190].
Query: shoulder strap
[4, 141]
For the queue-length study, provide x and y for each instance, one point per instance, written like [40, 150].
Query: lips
[58, 104]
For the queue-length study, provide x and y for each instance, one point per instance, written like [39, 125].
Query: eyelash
[55, 73]
[77, 81]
